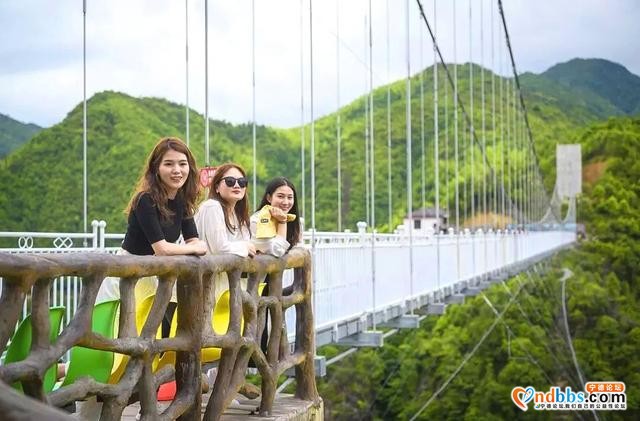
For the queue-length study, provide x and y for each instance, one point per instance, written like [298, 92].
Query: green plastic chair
[93, 362]
[21, 346]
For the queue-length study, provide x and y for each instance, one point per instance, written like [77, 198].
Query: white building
[425, 221]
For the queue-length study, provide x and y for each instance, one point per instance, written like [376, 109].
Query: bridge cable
[409, 183]
[451, 81]
[302, 119]
[467, 357]
[560, 366]
[456, 142]
[472, 134]
[389, 198]
[484, 139]
[186, 51]
[493, 125]
[206, 83]
[84, 117]
[522, 103]
[371, 138]
[367, 117]
[253, 99]
[567, 274]
[338, 127]
[436, 149]
[423, 198]
[533, 360]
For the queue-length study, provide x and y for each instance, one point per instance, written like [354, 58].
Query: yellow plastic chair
[143, 308]
[219, 321]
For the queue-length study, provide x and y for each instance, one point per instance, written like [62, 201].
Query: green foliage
[14, 133]
[603, 306]
[608, 80]
[41, 183]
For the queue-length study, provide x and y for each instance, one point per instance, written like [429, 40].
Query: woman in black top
[162, 208]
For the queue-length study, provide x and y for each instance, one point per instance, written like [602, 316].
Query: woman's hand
[199, 247]
[278, 214]
[251, 248]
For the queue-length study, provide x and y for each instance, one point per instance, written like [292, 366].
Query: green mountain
[420, 369]
[41, 183]
[14, 133]
[608, 80]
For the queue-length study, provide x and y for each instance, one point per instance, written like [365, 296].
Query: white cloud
[138, 47]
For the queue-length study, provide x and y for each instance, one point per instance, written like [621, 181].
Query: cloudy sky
[138, 47]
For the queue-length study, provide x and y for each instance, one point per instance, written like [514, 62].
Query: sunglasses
[231, 181]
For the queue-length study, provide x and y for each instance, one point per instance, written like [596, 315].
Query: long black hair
[293, 227]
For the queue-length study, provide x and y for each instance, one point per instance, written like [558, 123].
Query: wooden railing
[30, 277]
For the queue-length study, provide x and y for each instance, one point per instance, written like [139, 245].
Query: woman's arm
[213, 231]
[191, 246]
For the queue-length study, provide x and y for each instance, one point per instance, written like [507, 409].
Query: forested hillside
[14, 133]
[41, 183]
[603, 305]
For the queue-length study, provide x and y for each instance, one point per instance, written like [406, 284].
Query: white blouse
[213, 231]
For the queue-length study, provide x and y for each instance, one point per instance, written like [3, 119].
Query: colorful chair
[93, 362]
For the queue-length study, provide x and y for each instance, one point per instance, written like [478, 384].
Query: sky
[139, 47]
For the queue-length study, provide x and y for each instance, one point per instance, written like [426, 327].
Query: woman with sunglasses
[281, 195]
[223, 219]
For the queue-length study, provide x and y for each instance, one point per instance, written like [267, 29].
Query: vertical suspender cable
[508, 145]
[436, 148]
[471, 145]
[372, 142]
[389, 198]
[409, 164]
[367, 111]
[313, 128]
[253, 98]
[313, 158]
[493, 124]
[338, 128]
[447, 199]
[484, 139]
[84, 117]
[206, 82]
[503, 211]
[422, 148]
[302, 128]
[372, 171]
[472, 128]
[455, 140]
[514, 147]
[186, 55]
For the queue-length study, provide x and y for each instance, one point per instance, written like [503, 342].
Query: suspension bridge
[480, 213]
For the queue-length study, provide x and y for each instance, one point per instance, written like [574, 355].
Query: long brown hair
[293, 227]
[241, 208]
[149, 181]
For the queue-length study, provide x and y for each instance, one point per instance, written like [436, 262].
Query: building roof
[428, 213]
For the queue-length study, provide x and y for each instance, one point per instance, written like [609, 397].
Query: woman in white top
[281, 195]
[223, 219]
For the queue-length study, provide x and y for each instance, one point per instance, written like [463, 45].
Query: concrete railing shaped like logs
[30, 277]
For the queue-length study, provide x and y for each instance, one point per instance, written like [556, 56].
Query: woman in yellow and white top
[276, 227]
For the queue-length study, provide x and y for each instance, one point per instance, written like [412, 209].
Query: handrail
[194, 278]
